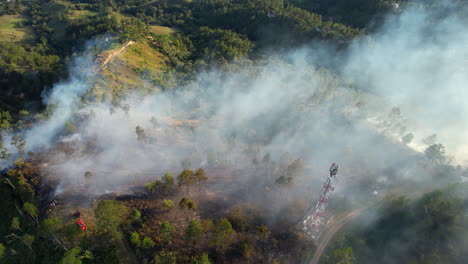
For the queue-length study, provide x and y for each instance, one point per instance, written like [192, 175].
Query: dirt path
[328, 234]
[105, 57]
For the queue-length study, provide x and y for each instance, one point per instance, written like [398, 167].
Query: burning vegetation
[201, 145]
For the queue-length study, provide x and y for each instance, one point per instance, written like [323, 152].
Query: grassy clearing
[160, 30]
[132, 70]
[141, 56]
[77, 14]
[10, 30]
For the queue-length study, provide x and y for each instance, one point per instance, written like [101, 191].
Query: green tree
[262, 232]
[186, 178]
[15, 223]
[32, 211]
[168, 183]
[194, 229]
[153, 187]
[72, 256]
[223, 235]
[222, 45]
[207, 225]
[342, 256]
[167, 229]
[165, 257]
[186, 203]
[147, 243]
[136, 215]
[19, 142]
[200, 177]
[436, 154]
[135, 239]
[168, 204]
[202, 259]
[2, 251]
[110, 215]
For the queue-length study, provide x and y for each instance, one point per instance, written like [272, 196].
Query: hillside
[233, 131]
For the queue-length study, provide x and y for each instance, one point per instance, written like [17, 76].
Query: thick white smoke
[414, 63]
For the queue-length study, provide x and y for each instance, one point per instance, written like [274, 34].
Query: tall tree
[200, 177]
[223, 234]
[186, 178]
[194, 229]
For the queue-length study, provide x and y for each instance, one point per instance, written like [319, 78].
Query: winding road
[332, 228]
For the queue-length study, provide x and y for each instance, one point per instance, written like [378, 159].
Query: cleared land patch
[160, 30]
[11, 29]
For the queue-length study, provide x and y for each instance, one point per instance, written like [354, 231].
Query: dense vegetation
[172, 219]
[424, 230]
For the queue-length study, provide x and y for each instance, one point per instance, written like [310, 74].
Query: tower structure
[313, 221]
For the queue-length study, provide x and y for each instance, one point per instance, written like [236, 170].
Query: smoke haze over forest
[414, 64]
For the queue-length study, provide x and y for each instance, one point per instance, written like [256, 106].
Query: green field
[160, 30]
[10, 30]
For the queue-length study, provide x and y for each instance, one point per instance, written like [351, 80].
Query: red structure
[314, 219]
[81, 224]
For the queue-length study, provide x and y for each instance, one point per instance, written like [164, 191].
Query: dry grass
[130, 69]
[160, 30]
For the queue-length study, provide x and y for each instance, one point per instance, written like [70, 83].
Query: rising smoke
[406, 78]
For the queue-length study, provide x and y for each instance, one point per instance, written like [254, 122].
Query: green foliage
[186, 203]
[152, 187]
[186, 178]
[136, 215]
[207, 225]
[194, 229]
[71, 257]
[110, 215]
[262, 232]
[168, 183]
[200, 177]
[354, 12]
[222, 45]
[133, 29]
[51, 225]
[344, 255]
[202, 259]
[176, 47]
[426, 227]
[167, 229]
[147, 243]
[28, 240]
[135, 239]
[31, 209]
[2, 251]
[69, 127]
[15, 58]
[168, 204]
[241, 216]
[165, 257]
[10, 8]
[15, 223]
[223, 235]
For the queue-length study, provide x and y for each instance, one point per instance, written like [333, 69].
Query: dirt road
[334, 226]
